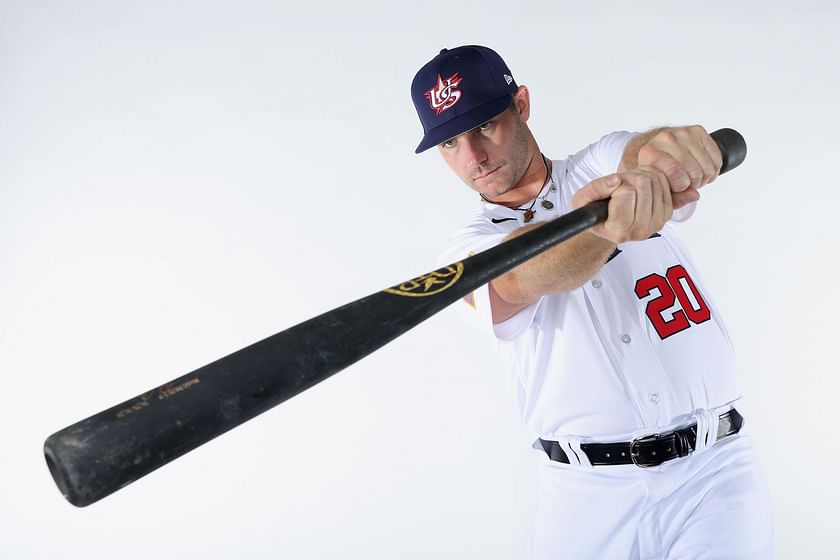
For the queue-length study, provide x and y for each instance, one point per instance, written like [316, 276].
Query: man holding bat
[620, 363]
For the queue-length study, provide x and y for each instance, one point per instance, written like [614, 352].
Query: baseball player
[620, 363]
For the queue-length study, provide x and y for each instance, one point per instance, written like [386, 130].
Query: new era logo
[508, 79]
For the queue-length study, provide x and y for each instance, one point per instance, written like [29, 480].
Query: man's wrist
[630, 159]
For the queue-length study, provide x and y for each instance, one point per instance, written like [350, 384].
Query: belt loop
[702, 418]
[714, 422]
[707, 426]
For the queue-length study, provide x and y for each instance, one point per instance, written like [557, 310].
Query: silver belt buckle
[634, 453]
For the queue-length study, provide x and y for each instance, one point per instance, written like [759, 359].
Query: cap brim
[463, 123]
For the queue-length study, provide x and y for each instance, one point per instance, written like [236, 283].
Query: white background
[180, 179]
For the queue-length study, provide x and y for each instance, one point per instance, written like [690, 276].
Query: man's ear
[522, 103]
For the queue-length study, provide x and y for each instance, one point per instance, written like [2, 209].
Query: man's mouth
[488, 174]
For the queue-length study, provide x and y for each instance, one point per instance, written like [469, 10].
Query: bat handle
[733, 149]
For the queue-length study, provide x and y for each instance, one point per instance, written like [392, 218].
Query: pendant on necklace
[529, 215]
[547, 204]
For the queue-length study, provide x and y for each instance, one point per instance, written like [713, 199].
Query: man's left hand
[687, 156]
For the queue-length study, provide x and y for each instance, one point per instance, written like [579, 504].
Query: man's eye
[484, 126]
[448, 143]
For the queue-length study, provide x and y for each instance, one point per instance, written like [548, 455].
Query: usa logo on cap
[458, 90]
[445, 93]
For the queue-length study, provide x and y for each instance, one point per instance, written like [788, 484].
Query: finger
[684, 198]
[661, 156]
[622, 213]
[667, 200]
[698, 160]
[643, 184]
[714, 152]
[598, 189]
[659, 211]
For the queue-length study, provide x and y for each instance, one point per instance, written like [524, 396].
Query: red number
[678, 321]
[700, 315]
[670, 288]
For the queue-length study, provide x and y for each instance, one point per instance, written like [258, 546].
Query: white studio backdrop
[180, 179]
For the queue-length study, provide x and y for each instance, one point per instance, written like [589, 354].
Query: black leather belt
[648, 451]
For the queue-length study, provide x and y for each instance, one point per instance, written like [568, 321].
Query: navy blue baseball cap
[458, 90]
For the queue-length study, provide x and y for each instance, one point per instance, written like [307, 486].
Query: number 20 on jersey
[673, 288]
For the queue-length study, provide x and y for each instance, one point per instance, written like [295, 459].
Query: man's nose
[474, 151]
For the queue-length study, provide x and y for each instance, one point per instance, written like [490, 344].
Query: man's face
[493, 157]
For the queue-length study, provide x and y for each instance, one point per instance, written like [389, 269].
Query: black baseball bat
[109, 450]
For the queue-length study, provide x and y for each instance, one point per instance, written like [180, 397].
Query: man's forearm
[560, 269]
[630, 159]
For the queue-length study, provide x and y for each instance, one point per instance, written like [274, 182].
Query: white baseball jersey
[638, 347]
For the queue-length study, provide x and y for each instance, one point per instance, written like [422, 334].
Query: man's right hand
[640, 203]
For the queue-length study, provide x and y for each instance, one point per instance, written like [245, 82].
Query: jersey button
[625, 338]
[654, 397]
[597, 283]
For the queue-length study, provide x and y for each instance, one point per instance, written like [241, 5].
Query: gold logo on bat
[430, 283]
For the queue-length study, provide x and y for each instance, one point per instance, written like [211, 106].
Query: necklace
[547, 204]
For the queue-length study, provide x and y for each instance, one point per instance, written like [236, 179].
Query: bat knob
[733, 148]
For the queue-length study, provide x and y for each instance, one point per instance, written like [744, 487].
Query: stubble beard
[510, 171]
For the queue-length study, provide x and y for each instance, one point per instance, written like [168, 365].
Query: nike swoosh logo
[500, 220]
[618, 251]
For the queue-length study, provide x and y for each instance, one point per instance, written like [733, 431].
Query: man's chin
[497, 190]
[495, 187]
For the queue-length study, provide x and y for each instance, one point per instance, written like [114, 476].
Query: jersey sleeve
[474, 308]
[598, 159]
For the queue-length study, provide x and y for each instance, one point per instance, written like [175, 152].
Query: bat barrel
[104, 452]
[100, 454]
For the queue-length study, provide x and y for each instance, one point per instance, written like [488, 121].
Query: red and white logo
[445, 94]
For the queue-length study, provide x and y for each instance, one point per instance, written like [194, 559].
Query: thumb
[598, 189]
[684, 198]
